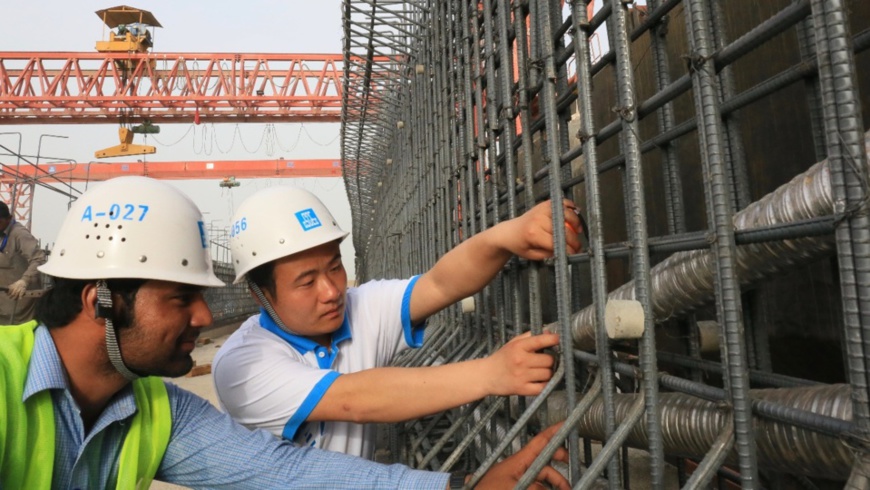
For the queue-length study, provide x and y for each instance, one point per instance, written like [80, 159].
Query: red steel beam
[64, 88]
[80, 172]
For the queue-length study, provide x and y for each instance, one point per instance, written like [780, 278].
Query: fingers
[533, 343]
[535, 388]
[539, 232]
[553, 477]
[537, 443]
[572, 238]
[573, 227]
[521, 336]
[537, 377]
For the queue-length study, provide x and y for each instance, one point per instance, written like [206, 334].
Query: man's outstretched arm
[397, 394]
[472, 264]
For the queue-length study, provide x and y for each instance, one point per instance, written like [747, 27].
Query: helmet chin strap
[268, 307]
[104, 310]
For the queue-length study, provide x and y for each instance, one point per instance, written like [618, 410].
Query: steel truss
[186, 170]
[65, 88]
[715, 149]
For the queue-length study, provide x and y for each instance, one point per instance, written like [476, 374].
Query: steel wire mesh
[666, 122]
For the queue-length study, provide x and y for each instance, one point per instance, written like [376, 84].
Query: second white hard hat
[133, 228]
[277, 222]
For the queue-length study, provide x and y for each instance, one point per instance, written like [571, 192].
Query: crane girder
[180, 170]
[67, 87]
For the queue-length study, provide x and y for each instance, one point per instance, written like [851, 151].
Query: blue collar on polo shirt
[325, 357]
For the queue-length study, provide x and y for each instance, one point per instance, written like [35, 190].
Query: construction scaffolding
[718, 153]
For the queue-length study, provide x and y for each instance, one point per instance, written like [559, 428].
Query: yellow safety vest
[27, 430]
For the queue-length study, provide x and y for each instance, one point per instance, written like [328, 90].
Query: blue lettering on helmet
[202, 234]
[308, 219]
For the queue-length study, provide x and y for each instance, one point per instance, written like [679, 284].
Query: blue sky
[286, 26]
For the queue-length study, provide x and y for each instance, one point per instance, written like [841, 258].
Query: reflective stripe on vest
[27, 431]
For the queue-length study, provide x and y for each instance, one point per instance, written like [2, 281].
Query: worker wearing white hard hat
[312, 366]
[84, 404]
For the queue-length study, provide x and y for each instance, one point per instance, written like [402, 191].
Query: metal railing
[717, 151]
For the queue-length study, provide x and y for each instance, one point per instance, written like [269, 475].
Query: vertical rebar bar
[636, 204]
[720, 213]
[593, 212]
[547, 101]
[849, 178]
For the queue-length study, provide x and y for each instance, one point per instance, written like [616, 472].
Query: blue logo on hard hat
[308, 219]
[202, 236]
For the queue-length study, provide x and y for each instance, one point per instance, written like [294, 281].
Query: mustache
[190, 337]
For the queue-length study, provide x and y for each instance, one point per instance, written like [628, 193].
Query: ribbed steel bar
[518, 426]
[550, 153]
[693, 426]
[480, 153]
[838, 426]
[628, 423]
[507, 118]
[459, 114]
[558, 439]
[812, 227]
[525, 75]
[673, 186]
[849, 178]
[761, 377]
[736, 167]
[593, 210]
[496, 174]
[483, 159]
[475, 431]
[720, 211]
[771, 85]
[764, 31]
[713, 460]
[637, 227]
[454, 428]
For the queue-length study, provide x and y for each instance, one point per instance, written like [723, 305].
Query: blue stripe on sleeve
[413, 333]
[308, 405]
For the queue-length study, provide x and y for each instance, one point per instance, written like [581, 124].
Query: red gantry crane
[128, 84]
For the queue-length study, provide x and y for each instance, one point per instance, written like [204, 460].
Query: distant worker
[20, 255]
[312, 366]
[84, 404]
[137, 30]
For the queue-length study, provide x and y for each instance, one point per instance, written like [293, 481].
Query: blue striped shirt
[206, 448]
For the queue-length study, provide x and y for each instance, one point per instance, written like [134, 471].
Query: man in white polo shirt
[311, 366]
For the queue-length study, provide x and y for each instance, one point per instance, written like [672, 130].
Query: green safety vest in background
[27, 430]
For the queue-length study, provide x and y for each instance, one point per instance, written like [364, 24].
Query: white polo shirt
[267, 378]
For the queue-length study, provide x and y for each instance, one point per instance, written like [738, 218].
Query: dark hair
[264, 276]
[63, 302]
[4, 211]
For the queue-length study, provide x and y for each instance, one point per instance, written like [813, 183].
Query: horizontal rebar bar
[685, 279]
[690, 425]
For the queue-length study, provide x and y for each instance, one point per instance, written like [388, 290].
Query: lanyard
[6, 237]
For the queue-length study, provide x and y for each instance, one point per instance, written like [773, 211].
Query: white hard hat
[133, 228]
[277, 222]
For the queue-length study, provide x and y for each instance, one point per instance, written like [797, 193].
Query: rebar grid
[232, 302]
[458, 115]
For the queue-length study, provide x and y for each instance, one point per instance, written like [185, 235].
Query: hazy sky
[278, 26]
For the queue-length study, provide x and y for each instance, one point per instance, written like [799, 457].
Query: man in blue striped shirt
[130, 264]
